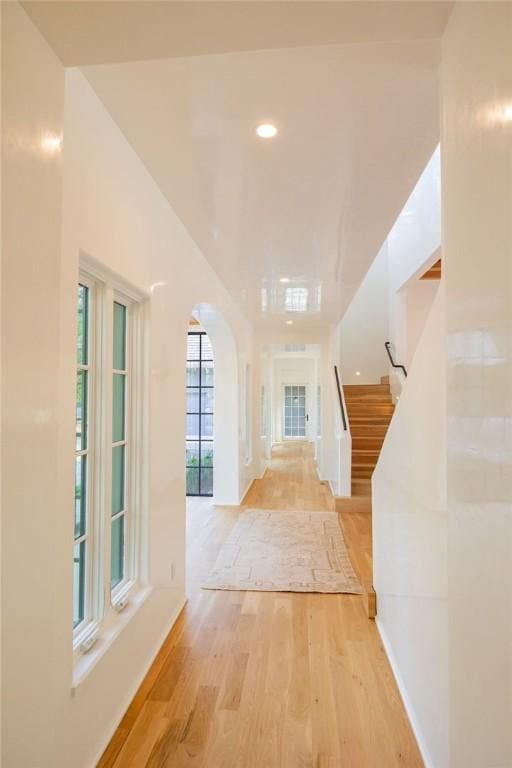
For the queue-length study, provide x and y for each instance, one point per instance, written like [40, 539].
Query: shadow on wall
[226, 476]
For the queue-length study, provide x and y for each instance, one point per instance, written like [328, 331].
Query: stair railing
[340, 398]
[343, 473]
[387, 344]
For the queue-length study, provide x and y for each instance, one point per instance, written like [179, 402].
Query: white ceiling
[357, 123]
[110, 31]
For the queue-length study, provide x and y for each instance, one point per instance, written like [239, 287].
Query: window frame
[200, 439]
[285, 386]
[105, 603]
[88, 536]
[95, 463]
[248, 414]
[263, 412]
[318, 411]
[131, 470]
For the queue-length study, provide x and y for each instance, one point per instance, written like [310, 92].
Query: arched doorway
[212, 463]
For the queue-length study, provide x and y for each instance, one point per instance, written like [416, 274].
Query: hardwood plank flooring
[267, 679]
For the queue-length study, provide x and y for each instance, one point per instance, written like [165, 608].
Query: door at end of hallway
[295, 413]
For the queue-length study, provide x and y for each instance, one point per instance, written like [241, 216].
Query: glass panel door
[200, 400]
[294, 417]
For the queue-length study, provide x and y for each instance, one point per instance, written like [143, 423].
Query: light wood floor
[268, 680]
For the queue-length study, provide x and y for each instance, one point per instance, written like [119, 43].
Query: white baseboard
[332, 488]
[244, 494]
[124, 707]
[405, 697]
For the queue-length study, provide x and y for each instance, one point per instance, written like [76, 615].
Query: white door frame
[283, 411]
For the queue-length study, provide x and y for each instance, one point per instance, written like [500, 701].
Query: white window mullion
[83, 576]
[121, 574]
[107, 421]
[138, 467]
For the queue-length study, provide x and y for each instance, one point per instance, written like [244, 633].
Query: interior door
[295, 415]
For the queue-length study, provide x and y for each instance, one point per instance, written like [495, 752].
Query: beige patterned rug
[284, 551]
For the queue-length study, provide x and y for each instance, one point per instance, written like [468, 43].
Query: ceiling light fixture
[296, 299]
[358, 373]
[289, 322]
[284, 279]
[507, 113]
[51, 143]
[266, 131]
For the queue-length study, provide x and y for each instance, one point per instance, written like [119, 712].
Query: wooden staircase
[369, 409]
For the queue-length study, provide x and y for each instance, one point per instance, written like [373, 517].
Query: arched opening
[212, 451]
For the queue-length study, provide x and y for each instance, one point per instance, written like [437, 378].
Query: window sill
[109, 629]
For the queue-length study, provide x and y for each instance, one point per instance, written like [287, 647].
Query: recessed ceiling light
[507, 113]
[289, 322]
[51, 143]
[284, 279]
[358, 373]
[266, 130]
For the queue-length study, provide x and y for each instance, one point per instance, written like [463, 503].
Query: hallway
[261, 679]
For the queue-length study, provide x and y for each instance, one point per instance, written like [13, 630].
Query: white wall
[364, 327]
[335, 447]
[416, 234]
[409, 541]
[113, 212]
[419, 296]
[391, 303]
[265, 380]
[443, 571]
[413, 245]
[32, 108]
[477, 244]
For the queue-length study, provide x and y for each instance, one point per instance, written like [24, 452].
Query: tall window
[82, 543]
[108, 452]
[263, 412]
[200, 399]
[318, 411]
[120, 384]
[247, 414]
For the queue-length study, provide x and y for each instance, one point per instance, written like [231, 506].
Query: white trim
[248, 413]
[248, 488]
[123, 707]
[103, 274]
[409, 709]
[119, 592]
[262, 475]
[102, 617]
[88, 537]
[106, 636]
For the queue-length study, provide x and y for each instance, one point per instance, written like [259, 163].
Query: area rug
[284, 551]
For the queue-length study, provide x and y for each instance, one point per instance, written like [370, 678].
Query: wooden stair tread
[370, 409]
[369, 430]
[363, 421]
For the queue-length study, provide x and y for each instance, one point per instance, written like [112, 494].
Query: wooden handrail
[340, 397]
[387, 344]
